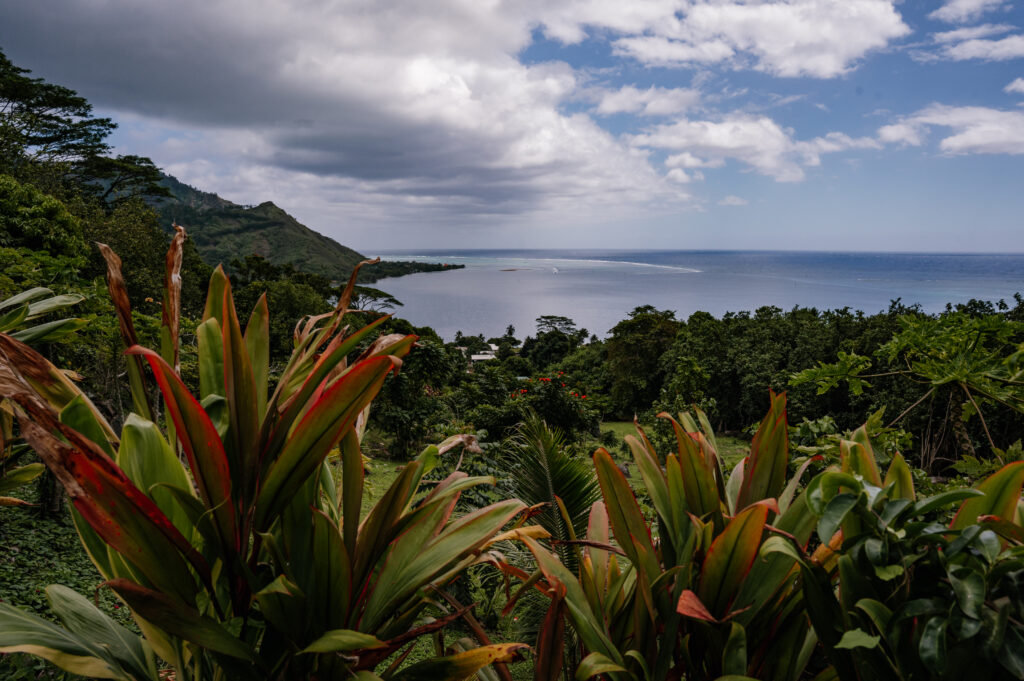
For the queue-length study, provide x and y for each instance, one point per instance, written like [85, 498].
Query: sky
[704, 124]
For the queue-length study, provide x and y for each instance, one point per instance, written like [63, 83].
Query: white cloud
[975, 129]
[818, 38]
[1017, 86]
[971, 33]
[756, 141]
[654, 101]
[732, 200]
[906, 134]
[1010, 47]
[962, 11]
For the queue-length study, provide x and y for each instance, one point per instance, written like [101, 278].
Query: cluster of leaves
[213, 557]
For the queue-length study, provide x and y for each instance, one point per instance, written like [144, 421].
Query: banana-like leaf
[729, 558]
[52, 304]
[461, 665]
[24, 297]
[765, 471]
[1002, 493]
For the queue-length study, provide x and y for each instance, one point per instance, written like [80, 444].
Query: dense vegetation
[232, 526]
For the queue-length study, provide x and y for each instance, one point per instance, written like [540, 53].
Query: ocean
[598, 288]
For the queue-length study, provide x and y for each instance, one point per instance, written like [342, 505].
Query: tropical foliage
[213, 557]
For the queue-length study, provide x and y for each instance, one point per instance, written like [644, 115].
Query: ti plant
[19, 315]
[907, 594]
[684, 595]
[241, 552]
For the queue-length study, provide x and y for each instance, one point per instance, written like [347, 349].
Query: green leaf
[932, 646]
[834, 515]
[857, 638]
[1002, 493]
[594, 664]
[734, 654]
[901, 479]
[343, 640]
[181, 620]
[21, 632]
[22, 475]
[326, 421]
[729, 558]
[765, 470]
[84, 619]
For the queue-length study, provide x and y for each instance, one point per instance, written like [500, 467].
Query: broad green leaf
[25, 297]
[594, 664]
[627, 521]
[84, 619]
[932, 646]
[242, 443]
[21, 632]
[1002, 493]
[834, 515]
[699, 486]
[22, 475]
[149, 462]
[257, 341]
[343, 640]
[50, 331]
[211, 359]
[857, 638]
[734, 654]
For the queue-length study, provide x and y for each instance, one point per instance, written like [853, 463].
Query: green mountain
[223, 231]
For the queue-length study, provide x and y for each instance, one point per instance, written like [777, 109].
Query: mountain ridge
[224, 231]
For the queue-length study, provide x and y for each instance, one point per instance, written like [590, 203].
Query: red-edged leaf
[202, 446]
[124, 517]
[240, 390]
[551, 640]
[730, 556]
[691, 606]
[318, 432]
[1002, 492]
[624, 513]
[699, 484]
[765, 474]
